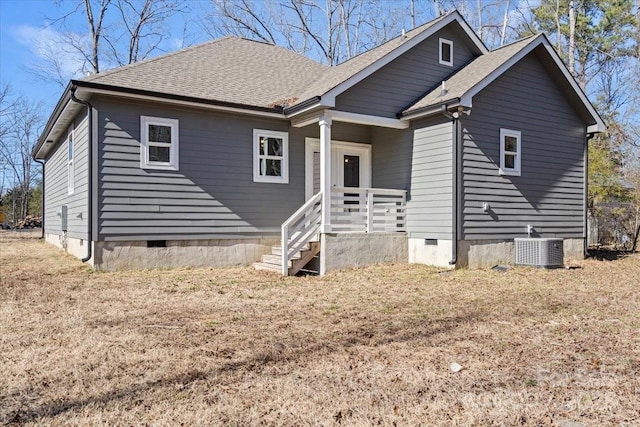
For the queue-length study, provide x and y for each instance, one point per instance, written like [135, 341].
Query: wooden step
[273, 261]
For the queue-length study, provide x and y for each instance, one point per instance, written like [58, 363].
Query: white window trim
[173, 163]
[516, 170]
[450, 44]
[71, 167]
[284, 179]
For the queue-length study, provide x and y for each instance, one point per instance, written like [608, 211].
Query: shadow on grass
[608, 254]
[280, 351]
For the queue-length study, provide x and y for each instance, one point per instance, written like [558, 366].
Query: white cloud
[51, 46]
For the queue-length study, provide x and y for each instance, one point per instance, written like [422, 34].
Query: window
[446, 52]
[159, 143]
[270, 156]
[71, 172]
[510, 152]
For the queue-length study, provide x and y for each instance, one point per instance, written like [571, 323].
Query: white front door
[350, 165]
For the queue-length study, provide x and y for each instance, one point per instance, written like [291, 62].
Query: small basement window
[159, 143]
[510, 152]
[446, 52]
[270, 156]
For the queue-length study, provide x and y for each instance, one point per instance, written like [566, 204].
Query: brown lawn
[370, 346]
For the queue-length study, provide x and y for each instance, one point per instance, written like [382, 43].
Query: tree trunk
[572, 38]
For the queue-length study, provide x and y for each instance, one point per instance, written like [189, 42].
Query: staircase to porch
[273, 261]
[353, 210]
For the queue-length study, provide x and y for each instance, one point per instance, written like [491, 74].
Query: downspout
[456, 136]
[89, 172]
[43, 178]
[588, 137]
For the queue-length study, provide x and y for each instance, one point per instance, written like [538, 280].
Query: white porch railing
[364, 210]
[367, 210]
[300, 229]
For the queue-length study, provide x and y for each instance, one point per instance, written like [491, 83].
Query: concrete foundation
[361, 249]
[135, 255]
[487, 253]
[438, 254]
[573, 250]
[74, 246]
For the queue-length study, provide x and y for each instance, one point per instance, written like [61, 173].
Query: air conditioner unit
[539, 252]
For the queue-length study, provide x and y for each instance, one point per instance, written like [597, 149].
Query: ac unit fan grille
[539, 252]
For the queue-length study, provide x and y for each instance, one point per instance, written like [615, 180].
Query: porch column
[325, 172]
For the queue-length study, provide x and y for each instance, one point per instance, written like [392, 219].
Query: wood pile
[30, 222]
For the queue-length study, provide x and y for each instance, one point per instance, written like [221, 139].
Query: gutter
[42, 162]
[301, 106]
[457, 137]
[89, 173]
[181, 98]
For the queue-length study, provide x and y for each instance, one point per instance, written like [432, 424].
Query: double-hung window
[159, 143]
[71, 170]
[446, 52]
[510, 152]
[270, 156]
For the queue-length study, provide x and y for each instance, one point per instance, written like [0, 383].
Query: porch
[343, 171]
[361, 213]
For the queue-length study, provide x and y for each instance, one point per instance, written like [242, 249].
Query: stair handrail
[309, 230]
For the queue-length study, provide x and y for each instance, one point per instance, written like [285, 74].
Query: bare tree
[112, 33]
[23, 122]
[328, 30]
[141, 28]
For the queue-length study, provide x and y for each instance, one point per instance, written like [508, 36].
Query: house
[429, 148]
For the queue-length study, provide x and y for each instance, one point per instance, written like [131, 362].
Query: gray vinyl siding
[213, 194]
[56, 184]
[549, 192]
[400, 83]
[418, 160]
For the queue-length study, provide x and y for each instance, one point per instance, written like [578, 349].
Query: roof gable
[463, 85]
[338, 79]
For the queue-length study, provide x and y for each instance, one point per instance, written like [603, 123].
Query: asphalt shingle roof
[230, 69]
[250, 73]
[466, 78]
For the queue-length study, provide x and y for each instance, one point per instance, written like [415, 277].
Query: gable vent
[539, 252]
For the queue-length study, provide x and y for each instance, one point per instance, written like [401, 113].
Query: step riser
[273, 262]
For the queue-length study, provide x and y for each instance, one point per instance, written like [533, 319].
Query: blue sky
[15, 53]
[24, 33]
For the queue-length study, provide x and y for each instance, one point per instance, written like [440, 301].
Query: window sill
[503, 172]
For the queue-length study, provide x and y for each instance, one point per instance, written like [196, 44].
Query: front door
[350, 165]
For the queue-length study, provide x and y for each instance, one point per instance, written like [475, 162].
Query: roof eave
[598, 124]
[303, 107]
[92, 87]
[64, 110]
[429, 110]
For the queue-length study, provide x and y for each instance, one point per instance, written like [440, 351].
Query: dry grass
[361, 347]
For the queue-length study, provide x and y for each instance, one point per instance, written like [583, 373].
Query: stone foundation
[361, 249]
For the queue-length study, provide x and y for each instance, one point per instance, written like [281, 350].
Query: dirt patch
[360, 347]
